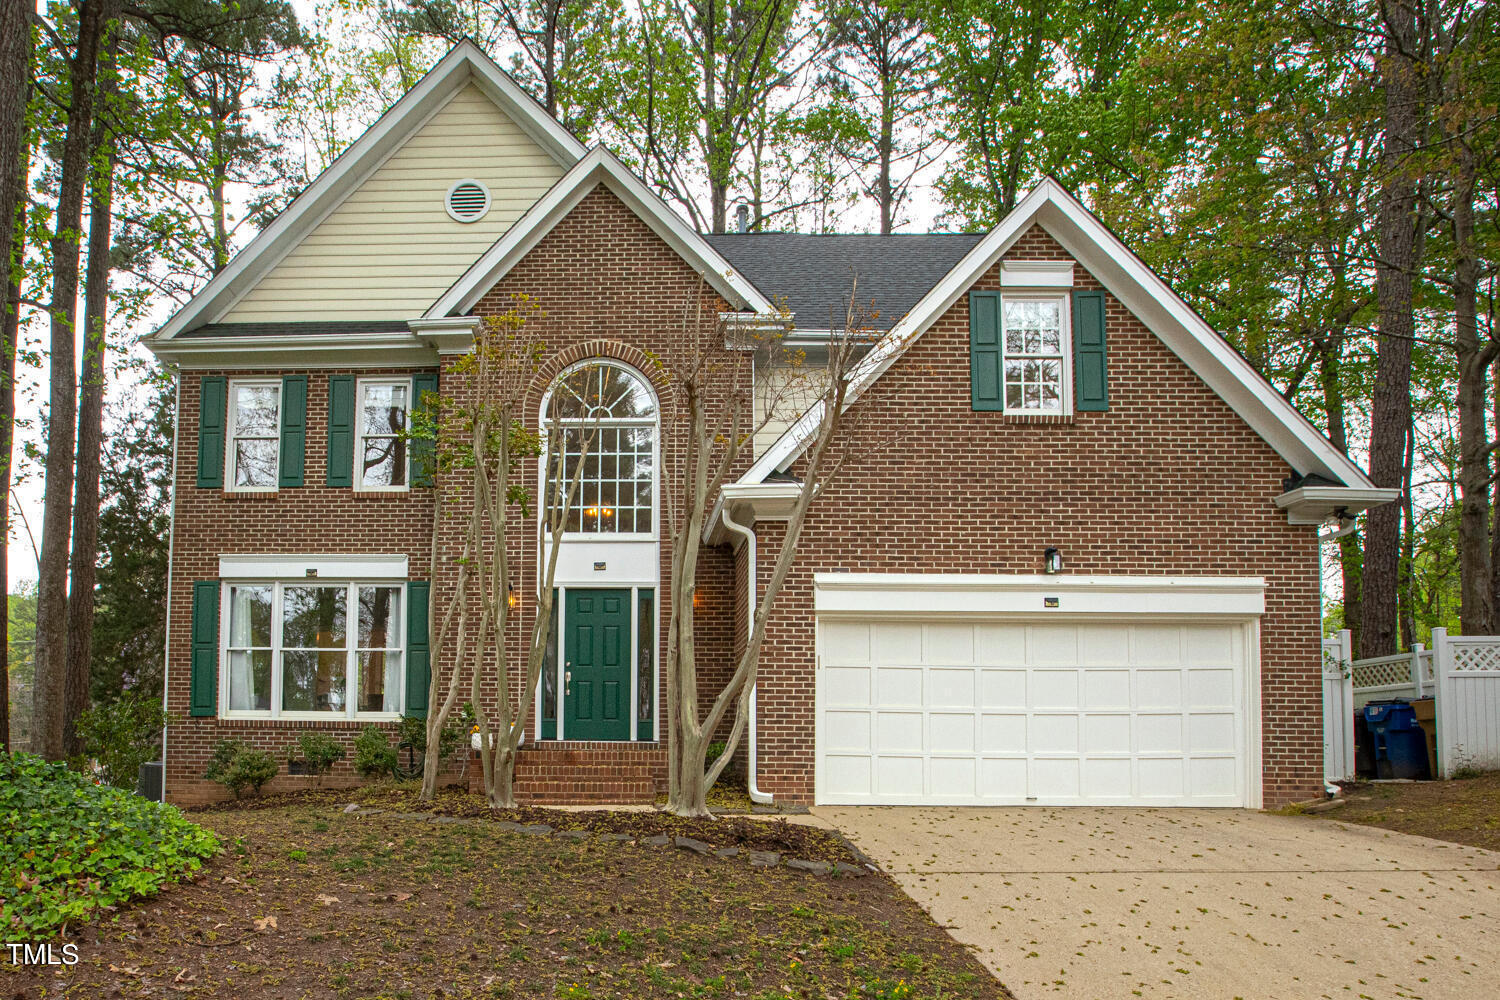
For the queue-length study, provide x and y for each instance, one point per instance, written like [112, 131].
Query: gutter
[166, 637]
[756, 795]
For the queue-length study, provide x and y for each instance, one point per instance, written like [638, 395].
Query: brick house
[1086, 573]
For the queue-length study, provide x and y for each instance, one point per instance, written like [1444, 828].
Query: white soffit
[1185, 333]
[465, 63]
[333, 567]
[989, 595]
[598, 166]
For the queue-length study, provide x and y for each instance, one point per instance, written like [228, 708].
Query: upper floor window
[254, 421]
[607, 417]
[383, 463]
[1035, 345]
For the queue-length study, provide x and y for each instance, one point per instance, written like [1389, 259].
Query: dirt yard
[311, 901]
[1464, 811]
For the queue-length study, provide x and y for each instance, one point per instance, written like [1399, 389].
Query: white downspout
[756, 795]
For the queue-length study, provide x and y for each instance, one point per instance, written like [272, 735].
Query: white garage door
[1016, 712]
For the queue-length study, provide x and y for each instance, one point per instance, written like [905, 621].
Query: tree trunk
[57, 508]
[1476, 586]
[90, 445]
[1406, 592]
[1390, 412]
[1331, 369]
[15, 86]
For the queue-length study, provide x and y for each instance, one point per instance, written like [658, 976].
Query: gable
[391, 248]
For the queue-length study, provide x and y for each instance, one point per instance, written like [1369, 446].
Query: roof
[465, 63]
[811, 276]
[292, 329]
[598, 166]
[1140, 290]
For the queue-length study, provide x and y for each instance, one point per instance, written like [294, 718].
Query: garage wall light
[1052, 561]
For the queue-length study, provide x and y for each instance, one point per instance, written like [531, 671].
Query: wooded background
[1318, 179]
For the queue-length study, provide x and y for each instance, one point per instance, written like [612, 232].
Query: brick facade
[1168, 481]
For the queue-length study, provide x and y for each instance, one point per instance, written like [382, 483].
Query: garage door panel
[950, 687]
[948, 644]
[1106, 689]
[952, 777]
[1071, 712]
[1054, 689]
[1000, 645]
[1002, 688]
[951, 732]
[1106, 734]
[1002, 733]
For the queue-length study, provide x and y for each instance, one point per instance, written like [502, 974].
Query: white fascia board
[334, 567]
[465, 62]
[344, 350]
[598, 166]
[991, 595]
[1316, 504]
[1173, 321]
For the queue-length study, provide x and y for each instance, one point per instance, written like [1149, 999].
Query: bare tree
[716, 421]
[483, 451]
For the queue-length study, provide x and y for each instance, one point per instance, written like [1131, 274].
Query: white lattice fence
[1467, 671]
[1404, 675]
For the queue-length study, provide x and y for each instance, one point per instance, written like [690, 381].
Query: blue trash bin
[1399, 743]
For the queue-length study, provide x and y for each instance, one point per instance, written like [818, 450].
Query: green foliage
[374, 757]
[75, 847]
[122, 735]
[319, 751]
[21, 647]
[238, 767]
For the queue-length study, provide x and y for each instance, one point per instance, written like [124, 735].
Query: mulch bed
[310, 901]
[1463, 811]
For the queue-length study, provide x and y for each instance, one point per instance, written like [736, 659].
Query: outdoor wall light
[1052, 561]
[512, 598]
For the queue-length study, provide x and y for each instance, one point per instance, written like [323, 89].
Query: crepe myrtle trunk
[57, 506]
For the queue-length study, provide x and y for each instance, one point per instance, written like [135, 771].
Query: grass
[1465, 811]
[309, 901]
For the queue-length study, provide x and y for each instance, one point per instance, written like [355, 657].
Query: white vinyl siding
[391, 248]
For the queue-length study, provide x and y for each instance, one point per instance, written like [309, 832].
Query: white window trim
[351, 659]
[231, 418]
[654, 422]
[1065, 397]
[359, 434]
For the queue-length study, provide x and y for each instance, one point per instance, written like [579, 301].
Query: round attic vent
[468, 200]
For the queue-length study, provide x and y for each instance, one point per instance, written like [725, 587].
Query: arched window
[612, 411]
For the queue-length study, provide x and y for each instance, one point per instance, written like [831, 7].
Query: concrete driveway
[1099, 903]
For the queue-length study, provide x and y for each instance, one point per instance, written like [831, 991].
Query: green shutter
[418, 648]
[422, 450]
[341, 430]
[293, 429]
[986, 387]
[213, 396]
[1090, 368]
[204, 670]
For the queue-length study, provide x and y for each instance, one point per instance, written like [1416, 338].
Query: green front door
[596, 665]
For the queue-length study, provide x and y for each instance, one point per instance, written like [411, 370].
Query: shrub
[238, 767]
[373, 754]
[75, 847]
[122, 735]
[319, 750]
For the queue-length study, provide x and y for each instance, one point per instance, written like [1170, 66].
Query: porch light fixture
[1051, 561]
[512, 598]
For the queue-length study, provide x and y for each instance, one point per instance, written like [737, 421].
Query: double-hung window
[381, 453]
[1037, 370]
[314, 649]
[254, 423]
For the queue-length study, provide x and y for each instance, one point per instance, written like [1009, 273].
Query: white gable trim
[1126, 277]
[464, 64]
[598, 166]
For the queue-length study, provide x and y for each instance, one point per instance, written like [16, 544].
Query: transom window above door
[605, 415]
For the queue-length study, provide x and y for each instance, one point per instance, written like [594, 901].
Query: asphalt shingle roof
[812, 275]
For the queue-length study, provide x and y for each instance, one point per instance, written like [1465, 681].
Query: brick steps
[598, 774]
